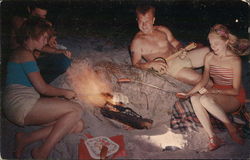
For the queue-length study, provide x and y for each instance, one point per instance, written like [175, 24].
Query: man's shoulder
[138, 37]
[138, 41]
[162, 29]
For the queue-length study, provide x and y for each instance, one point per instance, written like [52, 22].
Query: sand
[113, 63]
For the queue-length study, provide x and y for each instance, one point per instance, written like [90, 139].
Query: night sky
[189, 20]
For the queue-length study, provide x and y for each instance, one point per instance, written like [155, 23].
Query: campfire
[92, 88]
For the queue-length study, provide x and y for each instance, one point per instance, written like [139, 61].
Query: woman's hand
[67, 53]
[69, 94]
[182, 95]
[52, 42]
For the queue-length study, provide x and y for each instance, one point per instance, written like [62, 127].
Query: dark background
[114, 21]
[189, 20]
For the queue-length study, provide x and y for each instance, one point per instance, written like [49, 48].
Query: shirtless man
[158, 41]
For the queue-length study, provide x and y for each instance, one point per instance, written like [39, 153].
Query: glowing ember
[88, 84]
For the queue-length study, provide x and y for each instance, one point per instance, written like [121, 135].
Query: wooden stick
[127, 80]
[187, 48]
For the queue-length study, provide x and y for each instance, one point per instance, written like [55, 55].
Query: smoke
[88, 83]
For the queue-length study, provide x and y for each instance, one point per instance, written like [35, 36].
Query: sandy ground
[114, 62]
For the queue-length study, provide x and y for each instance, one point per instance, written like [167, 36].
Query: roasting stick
[187, 48]
[127, 80]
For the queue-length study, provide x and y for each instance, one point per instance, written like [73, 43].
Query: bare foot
[234, 132]
[20, 144]
[236, 137]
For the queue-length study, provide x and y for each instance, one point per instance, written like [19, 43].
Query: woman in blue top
[22, 102]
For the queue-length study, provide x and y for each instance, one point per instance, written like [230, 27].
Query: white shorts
[18, 100]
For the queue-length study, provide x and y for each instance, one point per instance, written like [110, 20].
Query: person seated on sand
[52, 60]
[22, 103]
[157, 41]
[227, 95]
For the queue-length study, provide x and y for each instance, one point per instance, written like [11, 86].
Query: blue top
[17, 73]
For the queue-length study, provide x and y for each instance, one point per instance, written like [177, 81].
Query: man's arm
[136, 55]
[174, 42]
[136, 61]
[53, 50]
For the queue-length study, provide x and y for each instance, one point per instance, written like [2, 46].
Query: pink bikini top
[220, 75]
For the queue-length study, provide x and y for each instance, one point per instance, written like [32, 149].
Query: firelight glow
[88, 84]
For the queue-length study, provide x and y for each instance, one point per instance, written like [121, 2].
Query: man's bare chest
[156, 42]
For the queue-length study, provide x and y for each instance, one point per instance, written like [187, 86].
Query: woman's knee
[195, 99]
[207, 100]
[196, 78]
[76, 109]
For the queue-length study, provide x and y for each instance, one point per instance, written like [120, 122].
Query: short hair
[40, 5]
[34, 28]
[145, 9]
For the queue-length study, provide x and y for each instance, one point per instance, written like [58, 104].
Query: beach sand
[114, 63]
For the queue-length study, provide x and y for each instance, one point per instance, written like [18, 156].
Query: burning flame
[88, 84]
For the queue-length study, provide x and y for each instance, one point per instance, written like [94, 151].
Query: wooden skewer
[127, 80]
[187, 48]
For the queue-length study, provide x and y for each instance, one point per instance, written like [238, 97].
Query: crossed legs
[63, 117]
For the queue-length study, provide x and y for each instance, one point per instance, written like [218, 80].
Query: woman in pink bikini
[223, 65]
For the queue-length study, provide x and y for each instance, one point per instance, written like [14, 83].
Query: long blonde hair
[240, 47]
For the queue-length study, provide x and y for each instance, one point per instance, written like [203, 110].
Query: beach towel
[184, 119]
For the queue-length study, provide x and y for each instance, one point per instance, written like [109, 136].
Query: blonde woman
[223, 65]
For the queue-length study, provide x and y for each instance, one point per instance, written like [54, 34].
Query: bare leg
[78, 128]
[197, 56]
[65, 114]
[24, 139]
[188, 76]
[218, 106]
[191, 77]
[202, 114]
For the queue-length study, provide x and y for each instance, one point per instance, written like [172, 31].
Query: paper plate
[94, 146]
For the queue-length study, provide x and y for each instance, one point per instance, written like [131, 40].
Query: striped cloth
[184, 119]
[220, 75]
